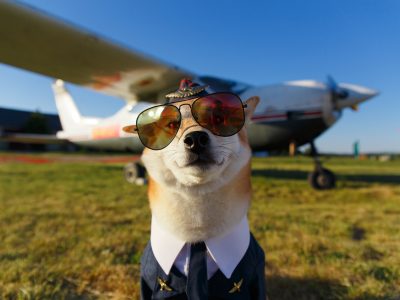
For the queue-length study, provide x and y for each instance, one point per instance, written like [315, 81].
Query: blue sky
[258, 42]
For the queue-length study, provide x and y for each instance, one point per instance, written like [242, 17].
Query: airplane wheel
[322, 179]
[135, 173]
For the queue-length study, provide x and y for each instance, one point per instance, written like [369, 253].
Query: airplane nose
[196, 141]
[354, 94]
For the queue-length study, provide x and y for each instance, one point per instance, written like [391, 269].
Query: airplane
[290, 114]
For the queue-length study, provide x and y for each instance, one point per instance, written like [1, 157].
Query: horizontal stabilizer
[32, 138]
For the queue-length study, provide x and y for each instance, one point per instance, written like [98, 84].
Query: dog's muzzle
[196, 141]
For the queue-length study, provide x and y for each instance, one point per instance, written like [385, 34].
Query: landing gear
[134, 173]
[320, 178]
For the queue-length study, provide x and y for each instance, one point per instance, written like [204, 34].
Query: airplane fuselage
[292, 112]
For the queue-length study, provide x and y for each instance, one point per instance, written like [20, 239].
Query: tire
[134, 173]
[322, 179]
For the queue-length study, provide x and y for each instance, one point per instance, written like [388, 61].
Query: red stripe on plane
[284, 116]
[269, 117]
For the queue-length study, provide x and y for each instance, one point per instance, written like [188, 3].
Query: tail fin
[70, 117]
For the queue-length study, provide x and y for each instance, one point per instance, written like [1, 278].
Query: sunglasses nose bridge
[187, 119]
[185, 110]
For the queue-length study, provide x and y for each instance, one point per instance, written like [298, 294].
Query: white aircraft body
[290, 114]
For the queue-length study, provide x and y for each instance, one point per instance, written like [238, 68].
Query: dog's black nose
[196, 141]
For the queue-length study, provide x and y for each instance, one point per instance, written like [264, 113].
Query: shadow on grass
[280, 174]
[302, 175]
[368, 296]
[288, 288]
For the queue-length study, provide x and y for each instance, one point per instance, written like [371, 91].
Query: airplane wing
[36, 42]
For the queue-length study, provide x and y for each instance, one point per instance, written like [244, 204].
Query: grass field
[72, 230]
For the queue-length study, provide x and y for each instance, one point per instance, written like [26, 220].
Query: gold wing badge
[163, 285]
[236, 287]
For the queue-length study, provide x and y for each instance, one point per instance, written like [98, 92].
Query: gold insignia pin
[236, 287]
[163, 285]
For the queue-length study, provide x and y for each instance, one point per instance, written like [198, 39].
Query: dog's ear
[130, 129]
[251, 105]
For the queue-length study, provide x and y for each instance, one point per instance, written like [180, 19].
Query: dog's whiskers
[227, 154]
[227, 143]
[223, 147]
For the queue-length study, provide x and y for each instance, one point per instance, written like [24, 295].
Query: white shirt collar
[226, 250]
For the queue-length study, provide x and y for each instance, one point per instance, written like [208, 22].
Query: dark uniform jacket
[247, 280]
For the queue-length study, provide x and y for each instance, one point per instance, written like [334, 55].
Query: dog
[199, 192]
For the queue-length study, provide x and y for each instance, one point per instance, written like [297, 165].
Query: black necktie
[197, 286]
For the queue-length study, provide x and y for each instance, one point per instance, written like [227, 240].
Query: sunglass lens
[221, 113]
[157, 126]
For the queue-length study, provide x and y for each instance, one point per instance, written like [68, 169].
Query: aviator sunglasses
[220, 113]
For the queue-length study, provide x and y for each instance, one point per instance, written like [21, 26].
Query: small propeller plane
[289, 115]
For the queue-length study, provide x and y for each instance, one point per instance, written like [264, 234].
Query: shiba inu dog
[198, 161]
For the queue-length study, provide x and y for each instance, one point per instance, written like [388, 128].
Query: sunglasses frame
[244, 105]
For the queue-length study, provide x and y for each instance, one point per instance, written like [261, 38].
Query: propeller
[336, 92]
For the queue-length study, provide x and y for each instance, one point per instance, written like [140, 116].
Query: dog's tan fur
[196, 203]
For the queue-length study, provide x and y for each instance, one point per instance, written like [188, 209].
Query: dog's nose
[196, 141]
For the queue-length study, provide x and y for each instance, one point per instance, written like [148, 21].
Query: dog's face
[199, 185]
[196, 156]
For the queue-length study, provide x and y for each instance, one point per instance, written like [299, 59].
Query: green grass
[76, 231]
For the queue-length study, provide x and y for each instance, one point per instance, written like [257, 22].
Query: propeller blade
[331, 83]
[332, 86]
[336, 92]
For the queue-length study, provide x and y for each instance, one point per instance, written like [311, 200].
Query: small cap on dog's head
[187, 90]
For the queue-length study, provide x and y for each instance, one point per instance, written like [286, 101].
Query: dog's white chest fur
[194, 217]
